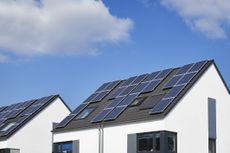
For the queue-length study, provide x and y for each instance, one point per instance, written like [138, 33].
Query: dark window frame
[163, 141]
[212, 142]
[55, 146]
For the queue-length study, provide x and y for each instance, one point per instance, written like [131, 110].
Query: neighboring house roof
[15, 116]
[139, 98]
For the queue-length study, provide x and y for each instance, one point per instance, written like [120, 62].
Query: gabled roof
[15, 116]
[138, 98]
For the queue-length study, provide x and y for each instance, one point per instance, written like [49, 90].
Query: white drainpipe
[101, 139]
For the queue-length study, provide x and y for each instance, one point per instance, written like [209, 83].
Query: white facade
[189, 119]
[36, 135]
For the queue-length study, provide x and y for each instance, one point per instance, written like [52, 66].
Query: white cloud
[30, 28]
[206, 16]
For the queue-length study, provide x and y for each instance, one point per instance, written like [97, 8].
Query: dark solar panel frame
[128, 100]
[102, 87]
[198, 66]
[151, 76]
[115, 113]
[184, 69]
[112, 85]
[117, 92]
[114, 102]
[3, 108]
[127, 91]
[186, 78]
[100, 116]
[129, 81]
[161, 106]
[163, 74]
[64, 122]
[140, 87]
[139, 79]
[173, 81]
[174, 92]
[100, 96]
[151, 86]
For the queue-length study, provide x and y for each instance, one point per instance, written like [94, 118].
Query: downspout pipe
[101, 138]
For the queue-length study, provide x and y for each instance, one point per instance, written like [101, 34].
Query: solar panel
[79, 109]
[161, 106]
[151, 86]
[34, 109]
[139, 79]
[173, 81]
[115, 113]
[100, 117]
[163, 74]
[127, 90]
[151, 76]
[186, 78]
[14, 113]
[174, 92]
[27, 104]
[91, 97]
[140, 87]
[114, 102]
[198, 66]
[184, 69]
[66, 121]
[129, 81]
[112, 85]
[102, 87]
[2, 108]
[128, 100]
[43, 101]
[100, 96]
[117, 92]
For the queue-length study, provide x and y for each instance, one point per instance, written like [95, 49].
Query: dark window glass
[212, 146]
[145, 144]
[171, 143]
[65, 147]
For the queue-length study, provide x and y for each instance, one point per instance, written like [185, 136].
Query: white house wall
[88, 139]
[190, 117]
[36, 136]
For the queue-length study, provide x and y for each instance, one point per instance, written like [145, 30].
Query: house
[177, 110]
[26, 127]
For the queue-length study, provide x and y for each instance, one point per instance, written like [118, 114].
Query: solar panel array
[177, 83]
[128, 92]
[121, 94]
[97, 96]
[18, 113]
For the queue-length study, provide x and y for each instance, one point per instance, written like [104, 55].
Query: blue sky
[156, 35]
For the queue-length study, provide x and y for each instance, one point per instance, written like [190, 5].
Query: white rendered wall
[36, 135]
[88, 139]
[190, 117]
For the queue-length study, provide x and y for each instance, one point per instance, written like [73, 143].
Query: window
[212, 125]
[8, 126]
[85, 113]
[171, 143]
[149, 142]
[212, 146]
[64, 147]
[9, 151]
[155, 142]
